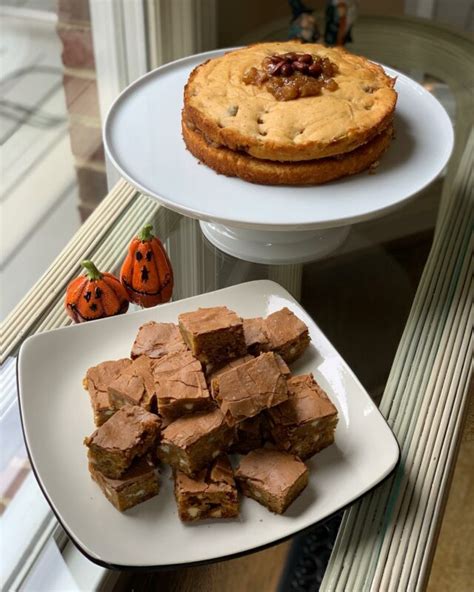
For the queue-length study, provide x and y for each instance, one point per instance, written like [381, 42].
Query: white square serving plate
[56, 415]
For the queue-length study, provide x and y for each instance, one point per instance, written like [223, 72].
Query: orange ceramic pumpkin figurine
[95, 295]
[146, 272]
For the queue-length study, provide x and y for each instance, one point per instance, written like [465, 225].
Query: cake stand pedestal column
[275, 247]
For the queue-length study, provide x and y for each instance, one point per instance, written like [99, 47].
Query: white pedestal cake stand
[268, 224]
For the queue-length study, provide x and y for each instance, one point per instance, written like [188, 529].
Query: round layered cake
[288, 113]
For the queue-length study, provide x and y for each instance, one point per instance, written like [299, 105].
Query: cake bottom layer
[267, 172]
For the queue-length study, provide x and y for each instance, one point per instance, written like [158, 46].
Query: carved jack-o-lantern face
[95, 295]
[146, 272]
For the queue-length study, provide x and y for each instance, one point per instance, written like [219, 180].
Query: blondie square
[97, 381]
[305, 423]
[174, 362]
[248, 389]
[212, 493]
[214, 335]
[135, 386]
[138, 484]
[128, 434]
[287, 334]
[184, 391]
[272, 478]
[214, 372]
[157, 339]
[193, 441]
[256, 338]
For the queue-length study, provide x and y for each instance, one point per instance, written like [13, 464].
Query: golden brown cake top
[248, 117]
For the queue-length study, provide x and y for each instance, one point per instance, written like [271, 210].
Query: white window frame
[131, 38]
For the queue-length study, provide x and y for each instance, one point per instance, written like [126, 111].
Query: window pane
[52, 161]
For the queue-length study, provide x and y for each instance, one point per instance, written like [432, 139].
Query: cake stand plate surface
[143, 140]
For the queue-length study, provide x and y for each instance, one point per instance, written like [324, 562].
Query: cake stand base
[275, 247]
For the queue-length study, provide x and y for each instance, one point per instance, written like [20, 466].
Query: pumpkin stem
[92, 272]
[146, 233]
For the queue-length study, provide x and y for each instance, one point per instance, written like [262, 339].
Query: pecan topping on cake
[291, 75]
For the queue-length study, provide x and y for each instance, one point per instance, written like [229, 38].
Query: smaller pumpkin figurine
[95, 295]
[146, 273]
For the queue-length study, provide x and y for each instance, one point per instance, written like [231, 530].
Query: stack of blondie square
[191, 394]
